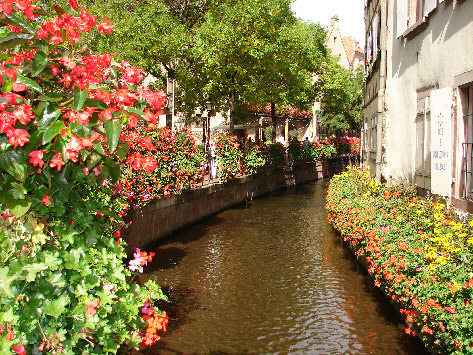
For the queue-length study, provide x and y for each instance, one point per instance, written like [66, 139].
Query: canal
[272, 277]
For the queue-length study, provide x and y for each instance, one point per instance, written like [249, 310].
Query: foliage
[277, 154]
[177, 164]
[295, 150]
[64, 284]
[229, 156]
[319, 150]
[341, 96]
[418, 251]
[271, 62]
[256, 156]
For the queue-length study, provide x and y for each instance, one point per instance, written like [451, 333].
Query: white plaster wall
[431, 59]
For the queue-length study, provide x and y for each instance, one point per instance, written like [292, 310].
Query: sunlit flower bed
[419, 253]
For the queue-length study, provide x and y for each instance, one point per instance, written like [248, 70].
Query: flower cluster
[229, 156]
[160, 163]
[287, 111]
[141, 258]
[154, 323]
[418, 251]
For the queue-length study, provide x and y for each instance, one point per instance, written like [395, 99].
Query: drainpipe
[381, 92]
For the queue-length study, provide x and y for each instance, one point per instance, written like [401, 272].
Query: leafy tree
[341, 100]
[256, 52]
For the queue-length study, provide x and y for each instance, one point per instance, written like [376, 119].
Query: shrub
[256, 156]
[229, 156]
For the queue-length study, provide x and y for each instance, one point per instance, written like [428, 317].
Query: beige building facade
[418, 95]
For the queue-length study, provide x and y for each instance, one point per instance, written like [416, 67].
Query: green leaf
[57, 307]
[14, 39]
[30, 84]
[32, 269]
[112, 128]
[134, 110]
[18, 207]
[18, 192]
[5, 282]
[79, 98]
[114, 173]
[14, 163]
[51, 97]
[15, 21]
[95, 103]
[40, 62]
[50, 114]
[53, 131]
[123, 149]
[59, 187]
[93, 161]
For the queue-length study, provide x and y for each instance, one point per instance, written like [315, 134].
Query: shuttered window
[423, 151]
[467, 161]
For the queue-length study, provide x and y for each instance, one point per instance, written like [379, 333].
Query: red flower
[18, 87]
[17, 137]
[19, 349]
[46, 200]
[74, 4]
[105, 26]
[56, 162]
[37, 158]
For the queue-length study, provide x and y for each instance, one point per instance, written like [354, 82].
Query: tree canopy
[238, 53]
[341, 96]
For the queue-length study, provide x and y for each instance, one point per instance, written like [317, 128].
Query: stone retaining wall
[166, 215]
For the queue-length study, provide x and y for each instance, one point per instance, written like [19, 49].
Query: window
[373, 137]
[467, 161]
[412, 16]
[423, 152]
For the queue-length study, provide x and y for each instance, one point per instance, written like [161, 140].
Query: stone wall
[166, 215]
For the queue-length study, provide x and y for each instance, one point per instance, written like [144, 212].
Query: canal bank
[162, 217]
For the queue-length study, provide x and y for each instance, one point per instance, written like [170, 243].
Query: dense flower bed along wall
[64, 286]
[419, 252]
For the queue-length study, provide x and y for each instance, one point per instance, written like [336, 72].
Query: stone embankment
[161, 217]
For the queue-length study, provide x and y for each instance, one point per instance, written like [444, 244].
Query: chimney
[334, 20]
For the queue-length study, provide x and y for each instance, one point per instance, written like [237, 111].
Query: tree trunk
[231, 104]
[273, 120]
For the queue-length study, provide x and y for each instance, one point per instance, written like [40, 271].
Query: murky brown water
[272, 277]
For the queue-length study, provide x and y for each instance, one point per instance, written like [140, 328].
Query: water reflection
[272, 277]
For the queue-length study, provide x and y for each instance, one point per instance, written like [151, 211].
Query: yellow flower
[470, 241]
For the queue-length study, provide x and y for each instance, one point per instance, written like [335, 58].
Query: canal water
[271, 277]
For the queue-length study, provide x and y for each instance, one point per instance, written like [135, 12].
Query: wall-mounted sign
[441, 140]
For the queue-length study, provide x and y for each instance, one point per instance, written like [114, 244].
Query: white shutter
[429, 5]
[375, 37]
[401, 17]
